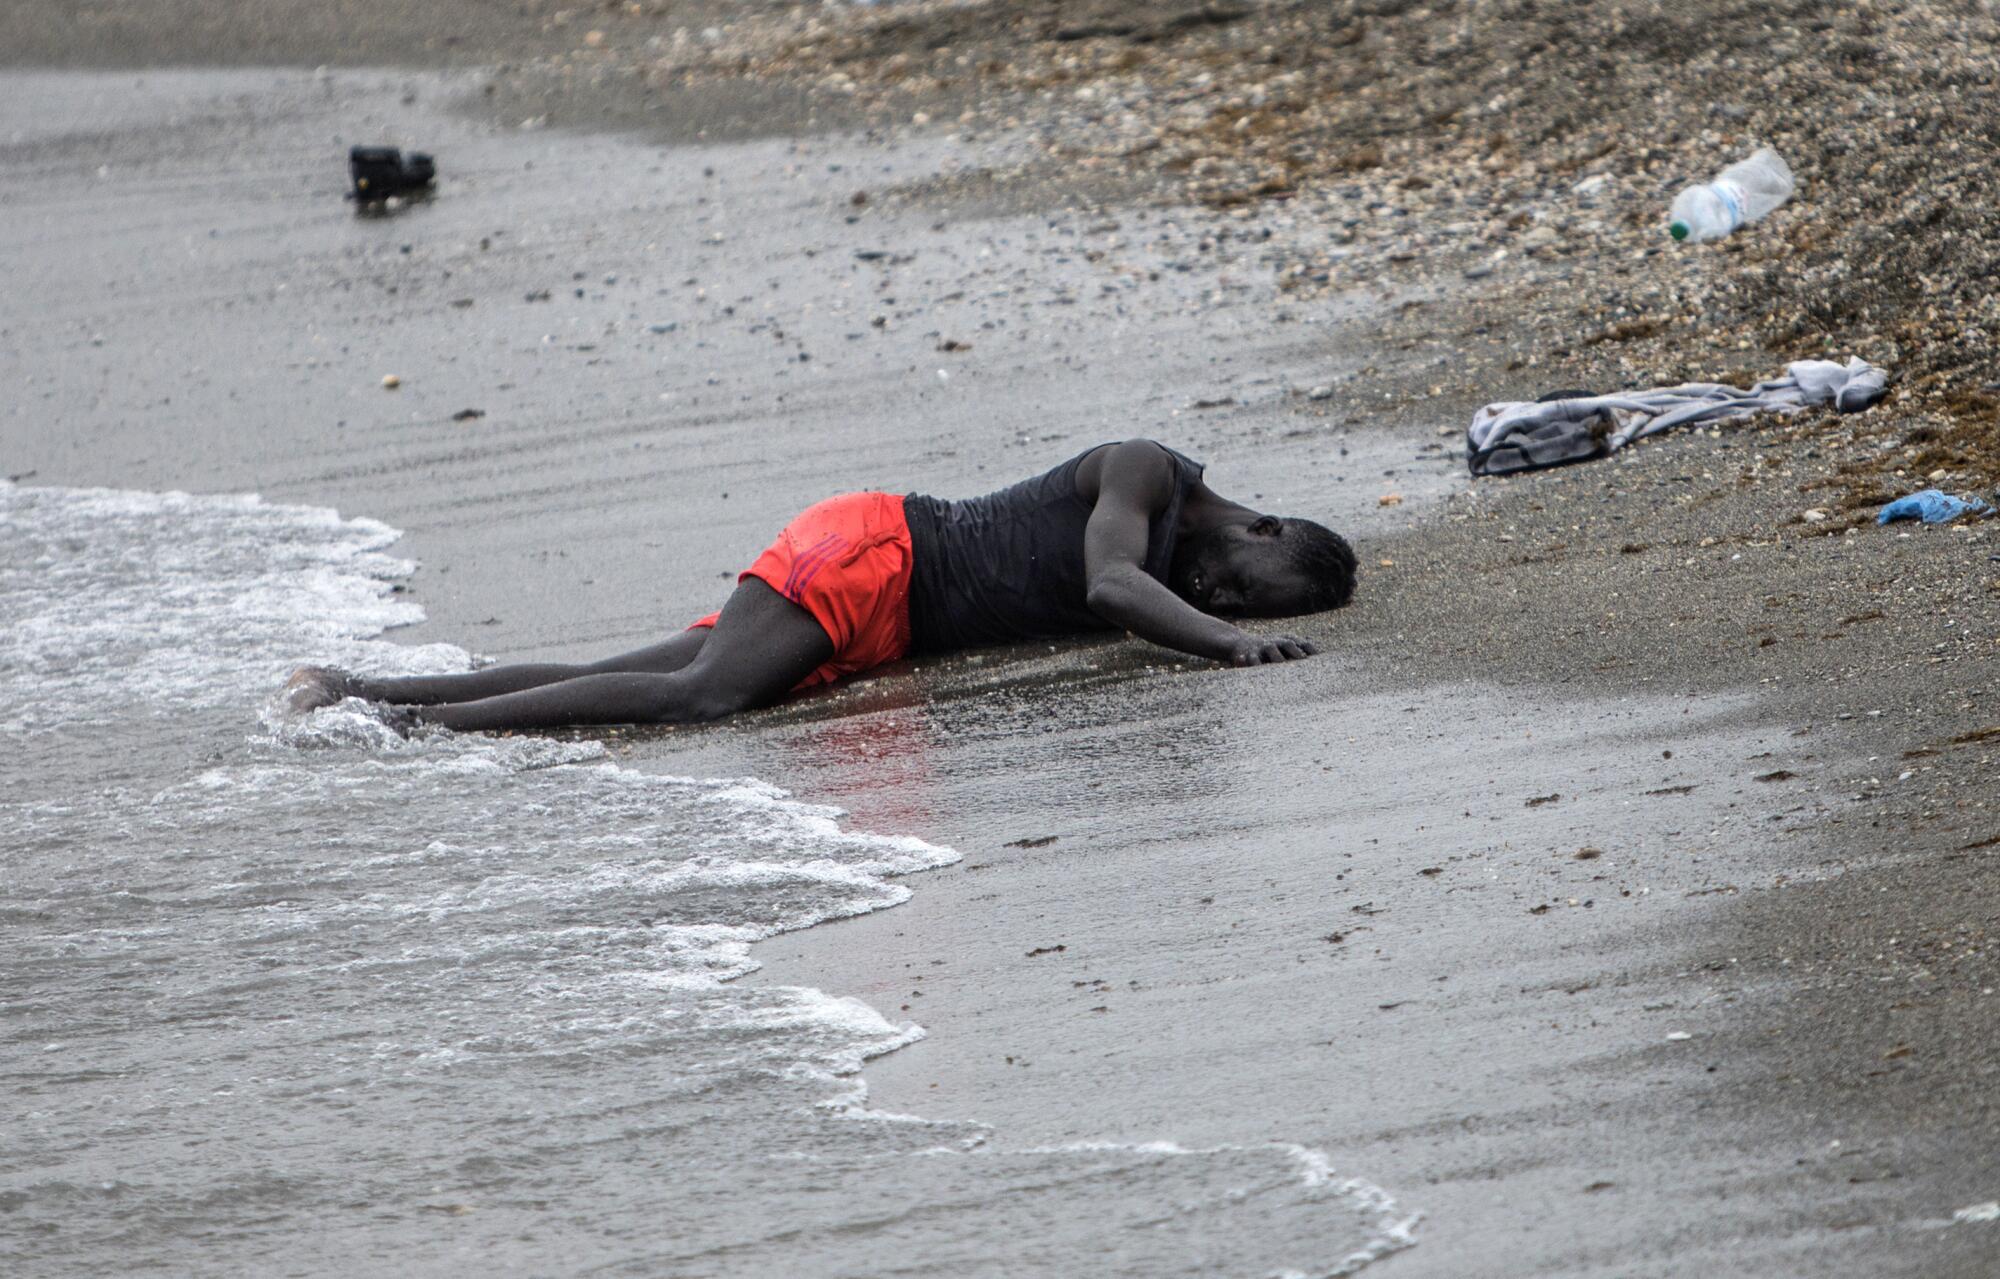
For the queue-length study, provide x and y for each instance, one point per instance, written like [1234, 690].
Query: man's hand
[1257, 650]
[1135, 483]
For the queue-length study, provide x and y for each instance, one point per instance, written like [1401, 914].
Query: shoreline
[1492, 610]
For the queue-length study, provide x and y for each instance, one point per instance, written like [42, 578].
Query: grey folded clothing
[1514, 436]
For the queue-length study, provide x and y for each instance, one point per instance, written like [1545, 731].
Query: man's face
[1239, 572]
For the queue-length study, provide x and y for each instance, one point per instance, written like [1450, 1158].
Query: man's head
[1270, 567]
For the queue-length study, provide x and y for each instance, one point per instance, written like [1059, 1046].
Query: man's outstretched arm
[1135, 484]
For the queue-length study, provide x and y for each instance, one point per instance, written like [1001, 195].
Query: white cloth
[1517, 436]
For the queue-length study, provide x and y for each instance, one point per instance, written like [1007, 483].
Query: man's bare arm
[1135, 482]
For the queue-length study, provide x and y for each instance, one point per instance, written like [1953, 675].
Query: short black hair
[1326, 560]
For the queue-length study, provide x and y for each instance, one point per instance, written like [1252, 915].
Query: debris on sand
[1745, 192]
[382, 173]
[1436, 144]
[1571, 426]
[1932, 506]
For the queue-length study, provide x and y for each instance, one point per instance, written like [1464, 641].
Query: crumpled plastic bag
[1932, 506]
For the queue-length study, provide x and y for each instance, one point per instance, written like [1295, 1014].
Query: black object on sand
[381, 172]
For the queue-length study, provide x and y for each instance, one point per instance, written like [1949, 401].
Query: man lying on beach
[1121, 536]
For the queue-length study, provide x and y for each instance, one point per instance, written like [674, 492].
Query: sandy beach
[1616, 891]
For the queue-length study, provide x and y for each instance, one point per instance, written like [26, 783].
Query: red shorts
[847, 562]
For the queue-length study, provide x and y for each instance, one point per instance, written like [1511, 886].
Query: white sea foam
[117, 601]
[278, 966]
[1394, 1229]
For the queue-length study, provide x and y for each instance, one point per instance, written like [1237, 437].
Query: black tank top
[1009, 565]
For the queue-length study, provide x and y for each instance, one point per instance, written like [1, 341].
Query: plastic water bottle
[1739, 195]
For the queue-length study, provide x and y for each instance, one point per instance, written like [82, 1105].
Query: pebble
[390, 381]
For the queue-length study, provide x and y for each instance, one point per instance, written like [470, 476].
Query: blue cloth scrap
[1930, 506]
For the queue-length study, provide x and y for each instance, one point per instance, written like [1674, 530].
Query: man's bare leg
[760, 648]
[311, 687]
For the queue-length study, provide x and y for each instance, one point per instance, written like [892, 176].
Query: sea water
[302, 996]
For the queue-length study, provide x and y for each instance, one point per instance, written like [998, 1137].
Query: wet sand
[1310, 904]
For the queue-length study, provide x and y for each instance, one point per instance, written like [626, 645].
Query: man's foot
[312, 687]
